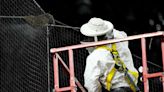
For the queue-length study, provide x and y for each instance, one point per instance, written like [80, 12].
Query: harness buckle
[115, 54]
[119, 67]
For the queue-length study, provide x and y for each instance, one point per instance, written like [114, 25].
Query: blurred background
[132, 16]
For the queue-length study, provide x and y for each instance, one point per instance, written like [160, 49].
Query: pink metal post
[56, 73]
[152, 75]
[65, 66]
[162, 47]
[72, 75]
[144, 63]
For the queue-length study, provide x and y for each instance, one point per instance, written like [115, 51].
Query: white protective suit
[100, 62]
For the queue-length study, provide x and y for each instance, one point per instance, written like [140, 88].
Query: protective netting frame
[11, 12]
[22, 69]
[67, 35]
[72, 86]
[20, 8]
[22, 58]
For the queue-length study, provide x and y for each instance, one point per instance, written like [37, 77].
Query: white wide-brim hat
[96, 27]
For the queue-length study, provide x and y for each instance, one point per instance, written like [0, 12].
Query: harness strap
[119, 66]
[109, 78]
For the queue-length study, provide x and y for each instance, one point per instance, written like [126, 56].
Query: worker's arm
[98, 64]
[91, 75]
[93, 72]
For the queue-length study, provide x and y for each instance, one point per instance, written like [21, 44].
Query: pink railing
[74, 81]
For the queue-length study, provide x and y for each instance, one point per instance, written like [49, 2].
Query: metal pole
[144, 62]
[56, 73]
[71, 66]
[48, 58]
[162, 48]
[39, 6]
[91, 44]
[65, 66]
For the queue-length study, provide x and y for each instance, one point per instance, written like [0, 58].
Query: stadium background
[26, 64]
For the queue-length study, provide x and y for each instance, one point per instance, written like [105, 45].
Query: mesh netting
[19, 8]
[23, 57]
[155, 84]
[60, 37]
[23, 48]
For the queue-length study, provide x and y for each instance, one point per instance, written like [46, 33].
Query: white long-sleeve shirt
[100, 62]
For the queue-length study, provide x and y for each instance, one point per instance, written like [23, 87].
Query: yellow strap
[117, 59]
[104, 47]
[107, 48]
[112, 72]
[109, 78]
[135, 74]
[114, 46]
[110, 75]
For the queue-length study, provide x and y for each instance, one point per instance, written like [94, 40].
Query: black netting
[19, 8]
[155, 84]
[23, 48]
[60, 37]
[23, 57]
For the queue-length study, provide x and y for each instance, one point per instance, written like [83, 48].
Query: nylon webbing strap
[109, 78]
[120, 66]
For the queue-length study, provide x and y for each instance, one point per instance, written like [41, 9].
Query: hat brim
[85, 30]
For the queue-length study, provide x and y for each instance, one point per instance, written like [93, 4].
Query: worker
[111, 65]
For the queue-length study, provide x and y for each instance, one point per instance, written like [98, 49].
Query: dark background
[131, 16]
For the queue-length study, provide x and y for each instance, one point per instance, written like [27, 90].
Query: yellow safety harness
[121, 67]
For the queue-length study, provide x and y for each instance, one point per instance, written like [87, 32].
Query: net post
[71, 66]
[76, 80]
[162, 48]
[144, 63]
[56, 73]
[48, 56]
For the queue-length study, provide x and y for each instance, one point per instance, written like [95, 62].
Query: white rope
[39, 6]
[13, 17]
